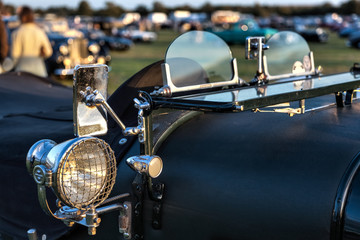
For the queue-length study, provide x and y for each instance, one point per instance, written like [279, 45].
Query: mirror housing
[89, 120]
[254, 47]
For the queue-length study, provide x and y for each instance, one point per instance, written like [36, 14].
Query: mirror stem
[95, 98]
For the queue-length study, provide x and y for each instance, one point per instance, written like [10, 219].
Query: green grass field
[333, 56]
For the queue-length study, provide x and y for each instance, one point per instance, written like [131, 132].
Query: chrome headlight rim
[37, 154]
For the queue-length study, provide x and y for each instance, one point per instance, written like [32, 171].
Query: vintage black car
[354, 40]
[116, 43]
[312, 34]
[69, 51]
[185, 149]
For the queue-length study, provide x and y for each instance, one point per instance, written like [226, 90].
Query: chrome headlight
[63, 49]
[101, 60]
[319, 31]
[81, 171]
[94, 48]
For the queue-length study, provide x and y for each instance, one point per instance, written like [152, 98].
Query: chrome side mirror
[254, 47]
[89, 120]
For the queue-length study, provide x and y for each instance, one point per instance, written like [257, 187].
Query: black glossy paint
[255, 176]
[351, 216]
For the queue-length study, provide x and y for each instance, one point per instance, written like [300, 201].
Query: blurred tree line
[113, 10]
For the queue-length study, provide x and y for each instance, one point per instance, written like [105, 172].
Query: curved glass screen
[197, 58]
[288, 53]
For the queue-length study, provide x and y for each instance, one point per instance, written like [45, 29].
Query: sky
[131, 4]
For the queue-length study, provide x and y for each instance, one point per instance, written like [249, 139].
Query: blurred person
[4, 47]
[30, 45]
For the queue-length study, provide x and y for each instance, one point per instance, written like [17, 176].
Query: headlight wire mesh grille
[87, 173]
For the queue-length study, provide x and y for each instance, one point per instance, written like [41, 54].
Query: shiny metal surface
[151, 166]
[125, 220]
[345, 218]
[89, 121]
[93, 98]
[37, 154]
[32, 234]
[252, 97]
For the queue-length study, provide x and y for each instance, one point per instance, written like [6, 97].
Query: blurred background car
[72, 50]
[136, 35]
[312, 34]
[239, 31]
[112, 42]
[354, 40]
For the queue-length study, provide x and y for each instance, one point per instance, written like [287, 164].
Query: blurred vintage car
[349, 29]
[185, 149]
[354, 39]
[239, 31]
[74, 49]
[137, 35]
[112, 42]
[312, 34]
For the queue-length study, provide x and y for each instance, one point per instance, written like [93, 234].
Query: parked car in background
[225, 16]
[116, 43]
[312, 34]
[11, 23]
[239, 31]
[136, 35]
[157, 20]
[70, 50]
[129, 18]
[348, 30]
[354, 40]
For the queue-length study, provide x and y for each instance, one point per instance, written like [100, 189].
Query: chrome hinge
[125, 220]
[288, 110]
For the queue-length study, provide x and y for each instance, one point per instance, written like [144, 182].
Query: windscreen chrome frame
[312, 72]
[168, 83]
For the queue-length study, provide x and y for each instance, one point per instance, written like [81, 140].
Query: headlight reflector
[63, 49]
[101, 60]
[94, 48]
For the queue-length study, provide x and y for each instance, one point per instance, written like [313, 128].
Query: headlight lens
[67, 62]
[83, 170]
[94, 48]
[101, 60]
[319, 31]
[64, 50]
